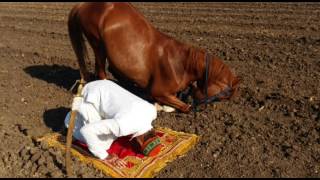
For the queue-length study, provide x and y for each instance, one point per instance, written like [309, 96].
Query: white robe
[108, 111]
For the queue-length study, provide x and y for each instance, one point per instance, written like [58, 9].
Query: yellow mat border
[147, 173]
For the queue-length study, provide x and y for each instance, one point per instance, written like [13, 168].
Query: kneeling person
[106, 112]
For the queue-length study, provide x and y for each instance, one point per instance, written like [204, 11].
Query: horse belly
[133, 71]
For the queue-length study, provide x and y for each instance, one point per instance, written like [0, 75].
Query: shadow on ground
[62, 76]
[54, 118]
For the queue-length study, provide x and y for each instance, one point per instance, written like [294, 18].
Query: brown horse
[138, 52]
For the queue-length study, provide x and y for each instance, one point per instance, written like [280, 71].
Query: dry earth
[271, 130]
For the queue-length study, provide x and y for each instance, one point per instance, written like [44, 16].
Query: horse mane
[195, 62]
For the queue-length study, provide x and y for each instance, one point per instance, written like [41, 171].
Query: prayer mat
[175, 144]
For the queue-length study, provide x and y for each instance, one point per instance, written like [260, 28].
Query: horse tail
[77, 40]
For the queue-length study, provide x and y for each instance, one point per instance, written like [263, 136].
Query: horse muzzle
[225, 94]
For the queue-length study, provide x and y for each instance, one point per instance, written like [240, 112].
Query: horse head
[216, 83]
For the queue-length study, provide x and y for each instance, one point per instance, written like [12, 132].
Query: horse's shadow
[65, 77]
[62, 76]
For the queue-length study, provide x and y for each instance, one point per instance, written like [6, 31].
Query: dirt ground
[272, 129]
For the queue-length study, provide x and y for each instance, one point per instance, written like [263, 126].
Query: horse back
[134, 48]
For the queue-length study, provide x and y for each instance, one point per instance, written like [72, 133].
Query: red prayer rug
[174, 143]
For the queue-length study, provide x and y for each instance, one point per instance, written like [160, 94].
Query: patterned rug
[175, 144]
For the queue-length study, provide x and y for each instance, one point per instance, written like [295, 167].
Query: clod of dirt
[41, 160]
[33, 150]
[55, 174]
[36, 156]
[44, 146]
[25, 151]
[22, 129]
[277, 60]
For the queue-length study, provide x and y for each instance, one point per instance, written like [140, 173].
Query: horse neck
[195, 64]
[192, 59]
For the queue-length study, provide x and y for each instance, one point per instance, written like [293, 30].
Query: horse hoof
[168, 109]
[187, 109]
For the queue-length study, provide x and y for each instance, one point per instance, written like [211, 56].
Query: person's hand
[115, 161]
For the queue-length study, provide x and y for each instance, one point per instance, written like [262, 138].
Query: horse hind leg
[100, 66]
[100, 61]
[84, 73]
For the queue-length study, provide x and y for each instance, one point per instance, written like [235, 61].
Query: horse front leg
[174, 102]
[164, 108]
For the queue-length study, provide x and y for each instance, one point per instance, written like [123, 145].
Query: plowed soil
[272, 129]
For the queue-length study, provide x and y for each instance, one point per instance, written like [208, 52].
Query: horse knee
[164, 108]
